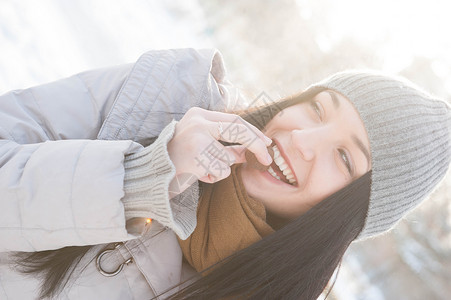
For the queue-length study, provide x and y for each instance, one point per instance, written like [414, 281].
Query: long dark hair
[296, 262]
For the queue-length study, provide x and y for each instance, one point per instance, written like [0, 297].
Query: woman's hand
[194, 149]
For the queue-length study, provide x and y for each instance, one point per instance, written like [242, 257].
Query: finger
[217, 160]
[240, 133]
[223, 153]
[216, 150]
[238, 152]
[216, 116]
[230, 155]
[214, 159]
[217, 171]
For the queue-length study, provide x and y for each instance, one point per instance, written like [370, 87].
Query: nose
[305, 142]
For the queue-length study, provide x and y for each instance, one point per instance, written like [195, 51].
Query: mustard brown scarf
[228, 220]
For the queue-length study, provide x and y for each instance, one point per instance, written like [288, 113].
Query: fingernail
[268, 140]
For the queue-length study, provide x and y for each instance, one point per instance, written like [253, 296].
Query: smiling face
[323, 142]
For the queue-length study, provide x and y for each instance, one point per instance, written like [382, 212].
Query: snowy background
[278, 47]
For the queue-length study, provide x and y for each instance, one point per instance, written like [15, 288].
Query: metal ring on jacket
[118, 270]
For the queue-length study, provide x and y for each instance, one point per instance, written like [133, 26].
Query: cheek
[324, 183]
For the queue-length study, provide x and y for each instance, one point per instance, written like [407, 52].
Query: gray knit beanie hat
[409, 133]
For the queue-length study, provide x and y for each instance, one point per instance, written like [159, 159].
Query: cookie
[253, 161]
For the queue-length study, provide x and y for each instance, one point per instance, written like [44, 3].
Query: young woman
[89, 160]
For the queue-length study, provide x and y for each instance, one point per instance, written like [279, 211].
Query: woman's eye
[317, 109]
[344, 156]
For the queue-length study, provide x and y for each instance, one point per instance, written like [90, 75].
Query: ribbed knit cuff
[148, 174]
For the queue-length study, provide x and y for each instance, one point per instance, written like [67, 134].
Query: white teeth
[279, 160]
[287, 171]
[283, 166]
[271, 171]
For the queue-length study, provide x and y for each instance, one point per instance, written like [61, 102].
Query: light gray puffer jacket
[64, 151]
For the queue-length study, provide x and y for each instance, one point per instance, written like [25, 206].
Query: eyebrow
[362, 148]
[355, 139]
[334, 99]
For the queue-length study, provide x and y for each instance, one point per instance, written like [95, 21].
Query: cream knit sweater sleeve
[148, 174]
